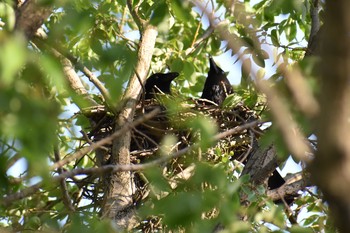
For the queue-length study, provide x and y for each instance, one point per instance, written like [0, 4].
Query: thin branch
[67, 201]
[63, 54]
[68, 69]
[122, 21]
[94, 80]
[135, 15]
[205, 36]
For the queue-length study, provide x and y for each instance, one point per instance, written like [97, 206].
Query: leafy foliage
[42, 118]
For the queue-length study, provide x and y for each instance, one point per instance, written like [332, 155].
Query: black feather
[216, 86]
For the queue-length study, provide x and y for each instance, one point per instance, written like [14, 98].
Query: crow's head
[159, 83]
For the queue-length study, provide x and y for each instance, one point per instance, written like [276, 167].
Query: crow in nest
[159, 83]
[216, 86]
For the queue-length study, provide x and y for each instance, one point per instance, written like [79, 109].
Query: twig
[66, 198]
[146, 137]
[106, 140]
[237, 129]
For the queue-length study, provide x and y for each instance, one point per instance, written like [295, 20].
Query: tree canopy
[81, 149]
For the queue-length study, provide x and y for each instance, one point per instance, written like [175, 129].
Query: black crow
[159, 83]
[216, 86]
[275, 181]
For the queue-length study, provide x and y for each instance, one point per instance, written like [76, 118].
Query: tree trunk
[331, 167]
[119, 201]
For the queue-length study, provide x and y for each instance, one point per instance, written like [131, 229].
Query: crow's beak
[171, 76]
[213, 65]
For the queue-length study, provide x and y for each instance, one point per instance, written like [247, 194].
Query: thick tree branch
[262, 162]
[331, 167]
[120, 189]
[30, 16]
[313, 47]
[291, 187]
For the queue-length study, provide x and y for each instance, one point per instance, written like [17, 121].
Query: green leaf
[177, 65]
[14, 48]
[258, 59]
[206, 129]
[181, 10]
[189, 72]
[291, 30]
[160, 12]
[180, 209]
[299, 229]
[53, 69]
[7, 14]
[245, 71]
[261, 73]
[275, 38]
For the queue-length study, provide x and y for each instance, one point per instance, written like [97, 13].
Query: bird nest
[173, 120]
[177, 122]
